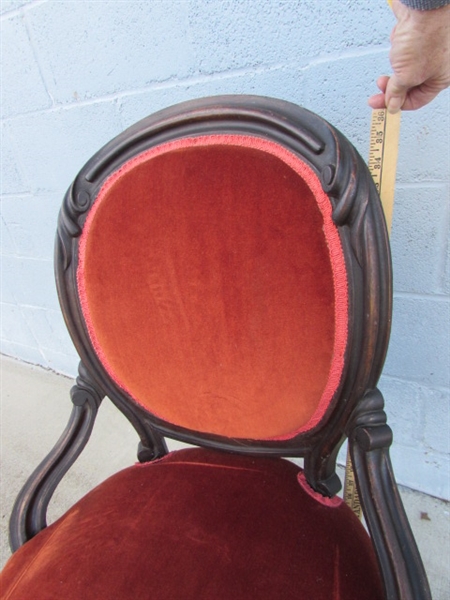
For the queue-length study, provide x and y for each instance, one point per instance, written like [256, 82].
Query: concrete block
[52, 146]
[29, 354]
[14, 327]
[231, 35]
[12, 179]
[110, 46]
[35, 283]
[423, 146]
[417, 414]
[66, 364]
[32, 222]
[23, 89]
[337, 88]
[6, 239]
[279, 82]
[9, 288]
[49, 329]
[446, 273]
[436, 426]
[10, 5]
[418, 230]
[404, 409]
[419, 349]
[422, 470]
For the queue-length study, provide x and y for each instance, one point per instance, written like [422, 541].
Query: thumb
[395, 94]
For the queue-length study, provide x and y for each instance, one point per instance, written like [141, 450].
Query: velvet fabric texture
[199, 525]
[213, 285]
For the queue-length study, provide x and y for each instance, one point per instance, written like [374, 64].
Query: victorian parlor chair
[223, 268]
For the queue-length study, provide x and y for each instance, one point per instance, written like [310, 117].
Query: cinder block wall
[74, 74]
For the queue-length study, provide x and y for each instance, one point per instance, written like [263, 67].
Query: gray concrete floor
[35, 407]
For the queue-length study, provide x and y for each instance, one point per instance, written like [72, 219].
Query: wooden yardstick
[383, 152]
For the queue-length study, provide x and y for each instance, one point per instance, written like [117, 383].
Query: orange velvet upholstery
[213, 284]
[199, 524]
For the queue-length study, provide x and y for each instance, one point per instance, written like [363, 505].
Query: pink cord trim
[331, 236]
[330, 502]
[155, 460]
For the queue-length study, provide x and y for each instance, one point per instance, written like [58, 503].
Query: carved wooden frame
[356, 411]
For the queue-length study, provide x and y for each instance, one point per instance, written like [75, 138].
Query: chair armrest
[399, 559]
[29, 514]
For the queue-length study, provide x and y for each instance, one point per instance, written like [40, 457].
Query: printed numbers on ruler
[376, 146]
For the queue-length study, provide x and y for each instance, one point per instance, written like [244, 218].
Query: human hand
[420, 59]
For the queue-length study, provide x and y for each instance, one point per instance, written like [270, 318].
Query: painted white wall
[75, 74]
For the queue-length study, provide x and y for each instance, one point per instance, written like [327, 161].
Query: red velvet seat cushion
[213, 284]
[199, 525]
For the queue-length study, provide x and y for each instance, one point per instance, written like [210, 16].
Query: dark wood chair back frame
[356, 411]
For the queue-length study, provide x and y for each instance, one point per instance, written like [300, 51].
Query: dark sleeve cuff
[425, 4]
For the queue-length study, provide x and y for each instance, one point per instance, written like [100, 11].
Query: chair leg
[400, 562]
